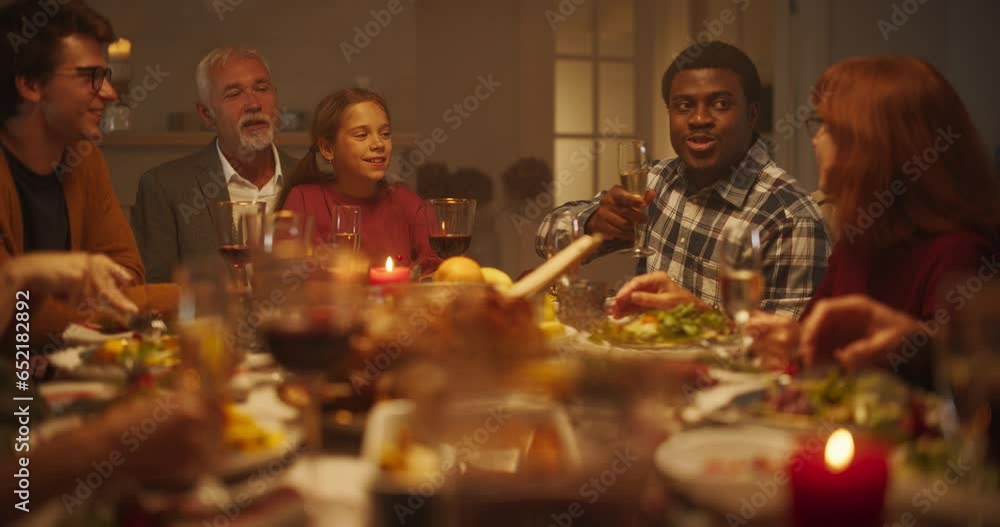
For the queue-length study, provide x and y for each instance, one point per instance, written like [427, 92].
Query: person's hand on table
[854, 330]
[654, 290]
[74, 277]
[618, 212]
[775, 338]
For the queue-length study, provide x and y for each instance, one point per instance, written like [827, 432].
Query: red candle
[845, 484]
[390, 274]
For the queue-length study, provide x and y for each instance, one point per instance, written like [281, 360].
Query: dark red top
[917, 277]
[392, 222]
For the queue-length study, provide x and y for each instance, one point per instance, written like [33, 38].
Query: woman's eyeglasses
[97, 75]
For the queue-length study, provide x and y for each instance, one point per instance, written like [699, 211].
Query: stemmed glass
[633, 167]
[234, 242]
[283, 234]
[741, 283]
[450, 221]
[310, 333]
[345, 224]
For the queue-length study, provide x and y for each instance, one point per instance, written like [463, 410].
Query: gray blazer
[172, 219]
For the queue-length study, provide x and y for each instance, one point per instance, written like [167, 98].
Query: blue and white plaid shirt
[686, 224]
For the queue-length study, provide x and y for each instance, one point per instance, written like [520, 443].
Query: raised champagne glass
[633, 168]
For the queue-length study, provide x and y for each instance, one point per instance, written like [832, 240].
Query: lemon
[498, 278]
[459, 269]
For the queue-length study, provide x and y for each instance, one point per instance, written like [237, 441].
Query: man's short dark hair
[717, 55]
[33, 31]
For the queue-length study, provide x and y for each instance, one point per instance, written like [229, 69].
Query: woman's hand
[651, 291]
[854, 330]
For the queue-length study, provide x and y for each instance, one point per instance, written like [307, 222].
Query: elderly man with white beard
[172, 217]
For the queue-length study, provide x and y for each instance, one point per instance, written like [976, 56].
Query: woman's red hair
[883, 114]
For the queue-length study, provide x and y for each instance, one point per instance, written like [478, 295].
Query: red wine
[236, 255]
[311, 346]
[448, 245]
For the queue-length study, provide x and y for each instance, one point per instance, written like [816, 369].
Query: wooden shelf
[185, 139]
[197, 139]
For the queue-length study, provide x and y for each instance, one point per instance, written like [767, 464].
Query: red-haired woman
[352, 134]
[917, 207]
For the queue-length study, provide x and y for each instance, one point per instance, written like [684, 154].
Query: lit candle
[845, 484]
[390, 274]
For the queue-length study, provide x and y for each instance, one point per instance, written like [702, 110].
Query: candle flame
[839, 450]
[388, 264]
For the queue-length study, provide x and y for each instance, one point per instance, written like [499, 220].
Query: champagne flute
[450, 221]
[741, 283]
[345, 223]
[633, 167]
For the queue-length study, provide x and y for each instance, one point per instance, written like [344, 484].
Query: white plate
[59, 393]
[683, 459]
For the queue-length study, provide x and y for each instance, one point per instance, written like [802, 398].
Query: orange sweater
[96, 225]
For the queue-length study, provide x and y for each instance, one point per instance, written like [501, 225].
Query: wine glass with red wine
[450, 222]
[310, 333]
[233, 236]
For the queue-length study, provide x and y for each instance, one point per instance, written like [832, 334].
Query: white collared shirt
[241, 189]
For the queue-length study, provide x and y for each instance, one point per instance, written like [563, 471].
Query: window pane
[616, 26]
[607, 163]
[574, 97]
[574, 27]
[616, 89]
[574, 170]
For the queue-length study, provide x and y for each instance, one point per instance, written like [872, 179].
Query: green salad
[680, 325]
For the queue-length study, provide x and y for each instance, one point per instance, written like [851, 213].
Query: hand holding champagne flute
[633, 167]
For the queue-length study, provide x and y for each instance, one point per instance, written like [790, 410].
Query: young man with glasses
[55, 191]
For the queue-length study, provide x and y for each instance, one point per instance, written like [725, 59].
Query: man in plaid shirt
[722, 178]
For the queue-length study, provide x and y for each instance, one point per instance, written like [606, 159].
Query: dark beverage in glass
[315, 345]
[448, 245]
[235, 255]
